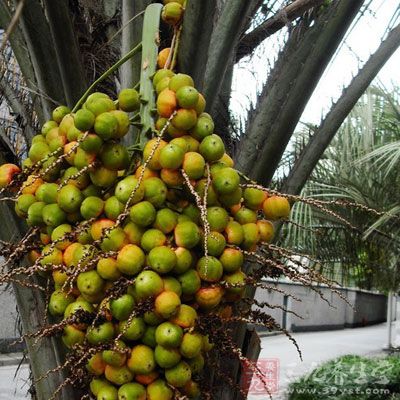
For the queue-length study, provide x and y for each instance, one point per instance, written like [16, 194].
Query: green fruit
[25, 201]
[90, 282]
[148, 283]
[91, 207]
[212, 148]
[114, 156]
[53, 215]
[100, 334]
[47, 192]
[70, 198]
[84, 120]
[166, 357]
[106, 125]
[132, 391]
[169, 335]
[143, 213]
[128, 100]
[35, 213]
[178, 375]
[122, 307]
[162, 259]
[58, 302]
[133, 330]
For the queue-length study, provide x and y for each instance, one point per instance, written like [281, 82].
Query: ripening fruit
[103, 177]
[118, 375]
[92, 143]
[163, 57]
[209, 269]
[166, 103]
[251, 236]
[209, 297]
[161, 74]
[159, 390]
[187, 234]
[128, 100]
[150, 148]
[184, 119]
[152, 238]
[231, 259]
[266, 230]
[276, 207]
[141, 360]
[254, 198]
[161, 259]
[59, 113]
[130, 259]
[123, 123]
[180, 80]
[191, 345]
[172, 13]
[218, 218]
[185, 317]
[194, 165]
[167, 304]
[129, 189]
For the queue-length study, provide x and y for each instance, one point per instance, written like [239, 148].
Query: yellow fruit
[163, 57]
[166, 103]
[276, 207]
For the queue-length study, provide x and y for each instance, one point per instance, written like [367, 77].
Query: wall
[320, 314]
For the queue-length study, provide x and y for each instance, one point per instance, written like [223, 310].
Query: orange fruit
[193, 165]
[209, 297]
[234, 233]
[185, 317]
[130, 259]
[231, 259]
[148, 173]
[117, 375]
[276, 207]
[167, 304]
[266, 230]
[66, 123]
[96, 365]
[171, 177]
[146, 379]
[186, 234]
[141, 360]
[172, 13]
[163, 57]
[166, 103]
[151, 147]
[133, 232]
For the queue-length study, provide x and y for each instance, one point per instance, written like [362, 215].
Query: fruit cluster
[171, 235]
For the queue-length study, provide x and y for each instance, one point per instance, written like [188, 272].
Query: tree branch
[289, 88]
[322, 137]
[224, 38]
[37, 33]
[66, 48]
[272, 25]
[198, 25]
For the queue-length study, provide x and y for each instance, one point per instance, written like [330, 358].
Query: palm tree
[359, 166]
[62, 46]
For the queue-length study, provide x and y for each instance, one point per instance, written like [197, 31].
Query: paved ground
[316, 347]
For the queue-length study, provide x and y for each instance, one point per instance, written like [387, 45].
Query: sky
[361, 41]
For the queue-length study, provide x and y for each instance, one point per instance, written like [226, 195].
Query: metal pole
[389, 318]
